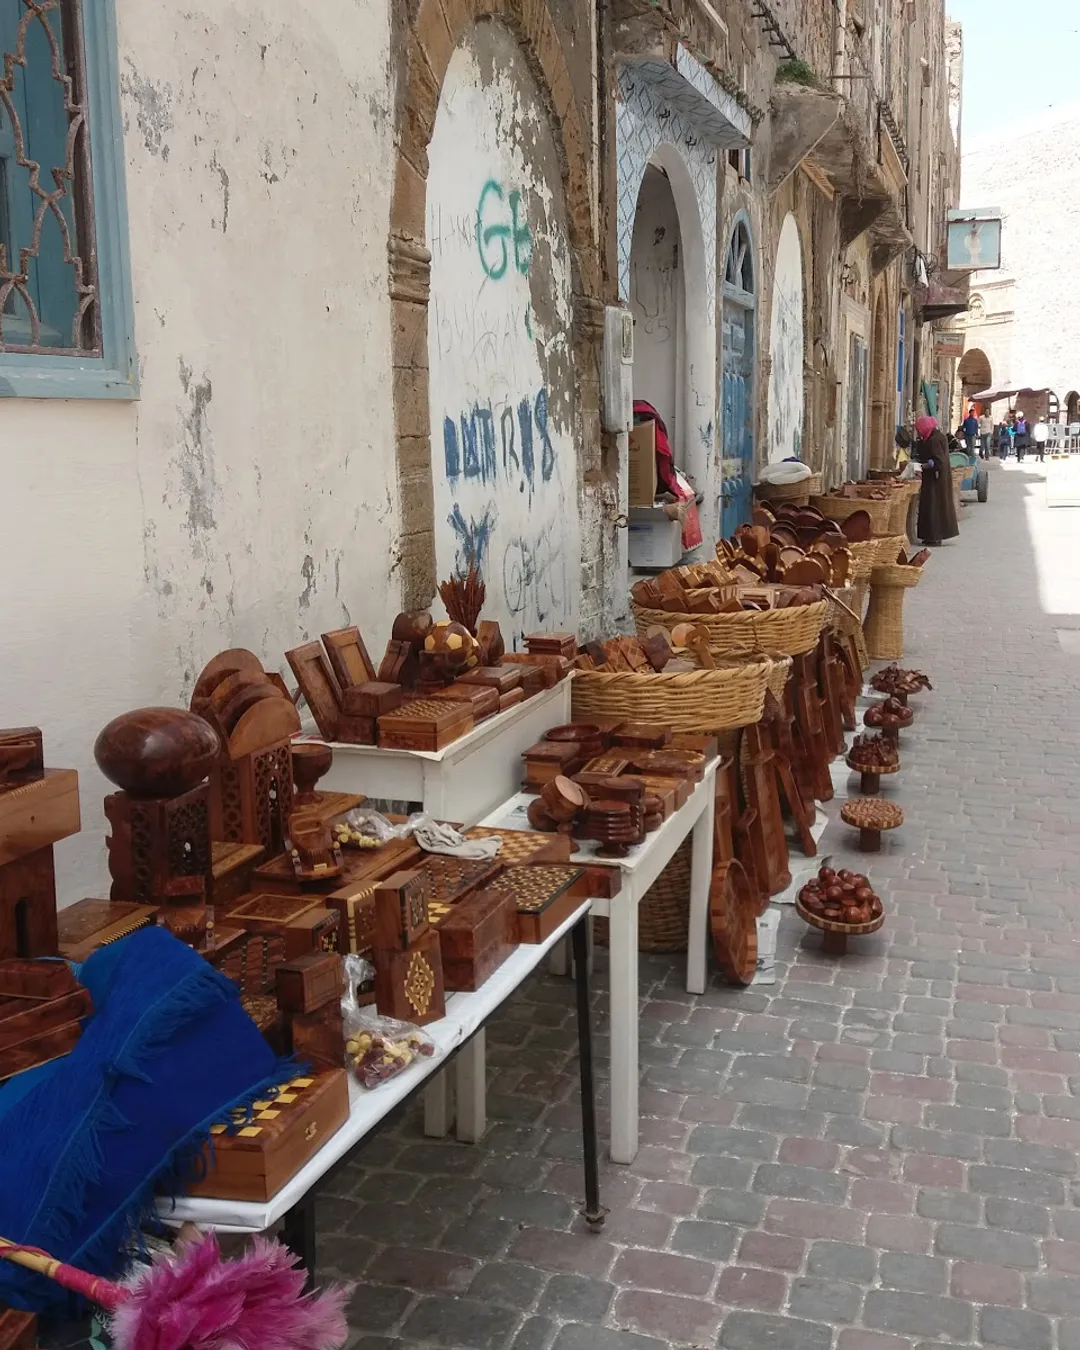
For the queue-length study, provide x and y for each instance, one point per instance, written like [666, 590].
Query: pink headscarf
[925, 425]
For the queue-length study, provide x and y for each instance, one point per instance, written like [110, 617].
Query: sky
[1020, 59]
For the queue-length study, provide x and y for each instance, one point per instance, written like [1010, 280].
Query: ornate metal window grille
[49, 300]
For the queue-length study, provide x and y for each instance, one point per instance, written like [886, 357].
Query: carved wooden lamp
[159, 849]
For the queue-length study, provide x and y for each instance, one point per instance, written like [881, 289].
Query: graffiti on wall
[501, 389]
[786, 391]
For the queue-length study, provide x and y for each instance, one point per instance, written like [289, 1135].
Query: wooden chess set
[438, 678]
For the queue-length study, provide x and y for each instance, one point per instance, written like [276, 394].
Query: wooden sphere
[157, 752]
[453, 641]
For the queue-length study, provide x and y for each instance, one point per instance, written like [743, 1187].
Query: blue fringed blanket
[84, 1143]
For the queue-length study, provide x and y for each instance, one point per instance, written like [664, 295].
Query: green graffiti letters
[495, 235]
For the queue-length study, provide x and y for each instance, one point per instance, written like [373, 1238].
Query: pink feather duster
[193, 1300]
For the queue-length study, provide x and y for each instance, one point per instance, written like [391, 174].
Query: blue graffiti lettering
[547, 454]
[451, 449]
[528, 462]
[510, 459]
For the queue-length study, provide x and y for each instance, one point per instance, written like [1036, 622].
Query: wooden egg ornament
[157, 752]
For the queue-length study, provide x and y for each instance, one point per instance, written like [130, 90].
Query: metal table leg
[594, 1213]
[298, 1234]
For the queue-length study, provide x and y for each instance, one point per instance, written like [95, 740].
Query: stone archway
[1072, 407]
[787, 339]
[973, 375]
[428, 44]
[881, 430]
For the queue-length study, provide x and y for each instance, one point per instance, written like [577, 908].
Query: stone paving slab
[877, 1153]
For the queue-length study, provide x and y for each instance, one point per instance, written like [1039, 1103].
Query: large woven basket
[863, 557]
[791, 631]
[902, 494]
[790, 494]
[888, 547]
[778, 676]
[733, 695]
[884, 625]
[664, 912]
[846, 608]
[895, 575]
[839, 508]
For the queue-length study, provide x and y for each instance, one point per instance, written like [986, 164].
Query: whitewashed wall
[656, 300]
[248, 498]
[503, 407]
[786, 346]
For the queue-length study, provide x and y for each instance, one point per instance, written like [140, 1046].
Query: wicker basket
[778, 675]
[902, 494]
[846, 608]
[884, 625]
[839, 508]
[863, 558]
[790, 631]
[789, 494]
[887, 549]
[664, 912]
[695, 701]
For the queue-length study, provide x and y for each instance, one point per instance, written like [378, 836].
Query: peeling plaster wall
[786, 348]
[248, 498]
[503, 404]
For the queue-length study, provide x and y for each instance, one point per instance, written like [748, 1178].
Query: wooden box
[525, 846]
[316, 930]
[552, 644]
[481, 699]
[39, 1048]
[232, 866]
[308, 982]
[89, 924]
[355, 908]
[401, 909]
[511, 699]
[36, 979]
[372, 700]
[285, 1131]
[251, 963]
[689, 764]
[18, 1330]
[317, 1039]
[270, 914]
[424, 724]
[409, 985]
[504, 679]
[21, 756]
[449, 880]
[39, 813]
[547, 760]
[640, 736]
[21, 1018]
[544, 897]
[348, 657]
[475, 937]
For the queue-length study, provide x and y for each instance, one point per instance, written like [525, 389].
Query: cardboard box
[652, 539]
[641, 480]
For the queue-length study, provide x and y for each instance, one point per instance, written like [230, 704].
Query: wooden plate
[859, 768]
[733, 922]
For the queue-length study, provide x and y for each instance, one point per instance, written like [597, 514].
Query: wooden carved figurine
[38, 807]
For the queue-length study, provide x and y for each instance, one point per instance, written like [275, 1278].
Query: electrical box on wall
[618, 368]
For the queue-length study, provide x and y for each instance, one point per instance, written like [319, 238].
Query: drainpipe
[840, 61]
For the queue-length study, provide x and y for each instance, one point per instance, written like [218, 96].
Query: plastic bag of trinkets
[364, 827]
[378, 1048]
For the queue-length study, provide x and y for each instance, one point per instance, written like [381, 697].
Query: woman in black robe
[937, 504]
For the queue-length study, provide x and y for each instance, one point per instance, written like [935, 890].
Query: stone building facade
[350, 280]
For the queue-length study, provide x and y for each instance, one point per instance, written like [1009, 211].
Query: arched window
[739, 270]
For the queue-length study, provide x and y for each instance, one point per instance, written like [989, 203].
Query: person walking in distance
[970, 426]
[937, 505]
[1020, 437]
[1040, 434]
[1004, 441]
[986, 433]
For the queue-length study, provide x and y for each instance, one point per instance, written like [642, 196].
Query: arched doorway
[1072, 407]
[881, 395]
[658, 301]
[787, 348]
[737, 399]
[973, 375]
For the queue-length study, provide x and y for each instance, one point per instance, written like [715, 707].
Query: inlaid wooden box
[268, 913]
[317, 930]
[23, 978]
[476, 936]
[317, 1039]
[424, 724]
[284, 1132]
[511, 699]
[231, 871]
[525, 846]
[544, 897]
[547, 760]
[482, 700]
[355, 908]
[401, 909]
[373, 699]
[89, 924]
[409, 984]
[504, 679]
[307, 983]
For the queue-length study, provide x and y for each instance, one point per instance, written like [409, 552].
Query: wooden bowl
[157, 752]
[837, 934]
[563, 798]
[733, 911]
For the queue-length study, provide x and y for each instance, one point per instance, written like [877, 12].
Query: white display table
[466, 779]
[640, 868]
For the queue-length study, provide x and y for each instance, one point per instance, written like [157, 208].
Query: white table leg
[623, 956]
[559, 962]
[700, 880]
[439, 1104]
[471, 1065]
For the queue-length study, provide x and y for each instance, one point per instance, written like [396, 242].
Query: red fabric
[668, 479]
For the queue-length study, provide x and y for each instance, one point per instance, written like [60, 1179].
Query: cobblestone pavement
[877, 1153]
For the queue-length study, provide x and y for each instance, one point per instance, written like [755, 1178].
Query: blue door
[737, 394]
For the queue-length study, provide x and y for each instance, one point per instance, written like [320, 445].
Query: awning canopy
[996, 395]
[937, 301]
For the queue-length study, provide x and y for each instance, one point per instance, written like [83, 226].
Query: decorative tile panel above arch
[683, 106]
